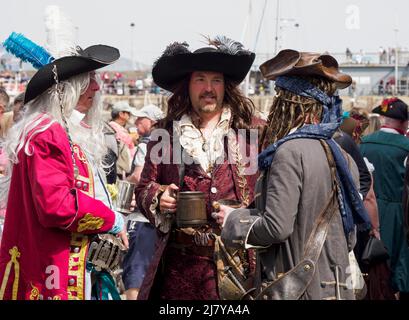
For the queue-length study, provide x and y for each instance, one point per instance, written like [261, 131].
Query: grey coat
[298, 186]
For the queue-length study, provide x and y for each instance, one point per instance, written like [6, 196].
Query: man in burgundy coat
[211, 126]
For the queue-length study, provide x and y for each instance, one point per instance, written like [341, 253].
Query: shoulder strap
[319, 232]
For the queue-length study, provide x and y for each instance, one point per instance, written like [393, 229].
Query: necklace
[206, 148]
[205, 144]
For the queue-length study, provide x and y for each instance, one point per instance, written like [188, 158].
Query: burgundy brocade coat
[186, 277]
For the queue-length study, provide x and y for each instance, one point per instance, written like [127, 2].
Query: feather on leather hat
[294, 63]
[225, 56]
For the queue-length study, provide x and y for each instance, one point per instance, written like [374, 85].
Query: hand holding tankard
[223, 208]
[167, 202]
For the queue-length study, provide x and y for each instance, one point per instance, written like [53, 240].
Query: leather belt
[186, 244]
[182, 238]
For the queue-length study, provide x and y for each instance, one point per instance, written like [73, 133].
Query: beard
[208, 108]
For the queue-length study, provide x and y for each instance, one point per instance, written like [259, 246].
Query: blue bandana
[350, 203]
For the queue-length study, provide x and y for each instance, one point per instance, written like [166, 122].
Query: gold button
[307, 267]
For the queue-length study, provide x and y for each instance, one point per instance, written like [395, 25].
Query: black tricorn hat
[393, 108]
[226, 56]
[294, 63]
[89, 59]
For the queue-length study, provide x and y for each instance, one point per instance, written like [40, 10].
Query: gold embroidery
[83, 179]
[90, 179]
[89, 222]
[80, 154]
[57, 297]
[35, 293]
[145, 195]
[242, 181]
[76, 267]
[14, 253]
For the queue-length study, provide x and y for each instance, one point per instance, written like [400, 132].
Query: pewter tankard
[124, 197]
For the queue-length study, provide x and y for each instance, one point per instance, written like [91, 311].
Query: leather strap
[319, 232]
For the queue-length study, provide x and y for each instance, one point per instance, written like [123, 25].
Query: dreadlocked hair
[242, 108]
[289, 110]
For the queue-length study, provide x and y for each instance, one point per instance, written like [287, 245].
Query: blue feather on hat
[27, 50]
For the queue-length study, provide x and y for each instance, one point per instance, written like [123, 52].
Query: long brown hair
[242, 108]
[289, 111]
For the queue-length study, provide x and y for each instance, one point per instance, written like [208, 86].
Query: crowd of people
[284, 208]
[384, 56]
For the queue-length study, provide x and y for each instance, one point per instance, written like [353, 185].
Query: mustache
[208, 95]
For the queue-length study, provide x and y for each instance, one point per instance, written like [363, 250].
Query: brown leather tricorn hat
[294, 63]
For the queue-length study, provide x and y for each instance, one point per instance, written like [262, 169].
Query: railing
[357, 58]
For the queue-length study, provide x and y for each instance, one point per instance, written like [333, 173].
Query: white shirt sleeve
[139, 160]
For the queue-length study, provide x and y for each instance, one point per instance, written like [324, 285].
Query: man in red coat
[205, 108]
[52, 205]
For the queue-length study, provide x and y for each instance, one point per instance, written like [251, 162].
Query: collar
[76, 117]
[385, 128]
[193, 142]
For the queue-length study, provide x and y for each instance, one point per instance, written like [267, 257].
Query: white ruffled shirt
[204, 152]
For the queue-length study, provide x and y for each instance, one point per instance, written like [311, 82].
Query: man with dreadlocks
[52, 191]
[308, 203]
[204, 106]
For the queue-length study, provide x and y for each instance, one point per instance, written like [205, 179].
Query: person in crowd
[52, 200]
[12, 116]
[142, 234]
[121, 114]
[205, 114]
[388, 149]
[308, 187]
[373, 125]
[4, 118]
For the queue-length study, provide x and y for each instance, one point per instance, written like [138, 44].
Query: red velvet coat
[49, 214]
[186, 277]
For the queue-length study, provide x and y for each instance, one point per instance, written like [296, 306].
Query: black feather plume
[227, 45]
